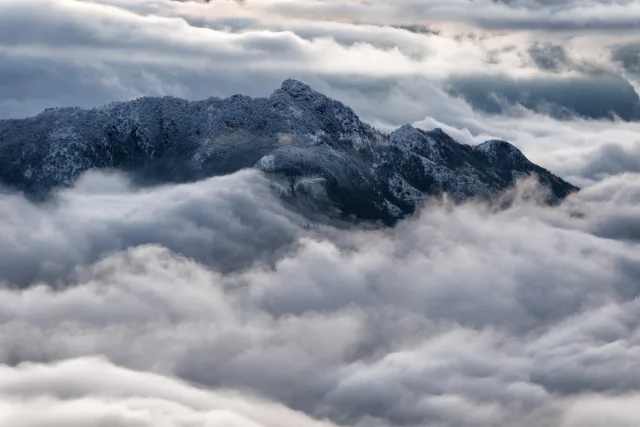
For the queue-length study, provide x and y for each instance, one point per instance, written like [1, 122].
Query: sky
[213, 304]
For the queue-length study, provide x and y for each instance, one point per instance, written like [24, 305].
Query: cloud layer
[480, 69]
[226, 222]
[461, 316]
[59, 395]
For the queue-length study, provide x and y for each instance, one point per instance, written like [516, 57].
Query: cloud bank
[461, 316]
[58, 395]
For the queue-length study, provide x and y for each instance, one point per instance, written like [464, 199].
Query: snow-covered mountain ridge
[320, 146]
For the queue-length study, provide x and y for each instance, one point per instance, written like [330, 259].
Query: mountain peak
[296, 88]
[499, 147]
[405, 131]
[294, 91]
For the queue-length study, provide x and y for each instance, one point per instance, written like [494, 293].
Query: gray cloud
[460, 316]
[596, 97]
[187, 49]
[629, 56]
[227, 222]
[56, 395]
[613, 159]
[548, 56]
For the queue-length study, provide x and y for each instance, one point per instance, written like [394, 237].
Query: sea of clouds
[211, 303]
[214, 304]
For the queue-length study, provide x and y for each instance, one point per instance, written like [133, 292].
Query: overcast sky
[212, 304]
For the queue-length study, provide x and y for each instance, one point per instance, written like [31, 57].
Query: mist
[461, 315]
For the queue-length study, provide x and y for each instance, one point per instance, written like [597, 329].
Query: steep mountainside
[319, 145]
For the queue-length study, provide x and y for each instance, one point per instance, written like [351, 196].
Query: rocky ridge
[317, 145]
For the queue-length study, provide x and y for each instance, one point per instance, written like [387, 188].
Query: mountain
[317, 146]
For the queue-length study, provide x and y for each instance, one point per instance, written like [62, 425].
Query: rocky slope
[317, 146]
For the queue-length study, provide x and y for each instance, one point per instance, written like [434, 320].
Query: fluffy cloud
[59, 395]
[55, 395]
[227, 222]
[460, 316]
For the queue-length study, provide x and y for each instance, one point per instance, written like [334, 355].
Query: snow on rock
[267, 163]
[495, 147]
[296, 132]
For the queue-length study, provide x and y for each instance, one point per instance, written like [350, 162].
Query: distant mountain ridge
[318, 144]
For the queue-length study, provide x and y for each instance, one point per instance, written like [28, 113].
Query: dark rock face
[318, 145]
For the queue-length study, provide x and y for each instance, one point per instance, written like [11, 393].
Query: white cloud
[58, 395]
[460, 316]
